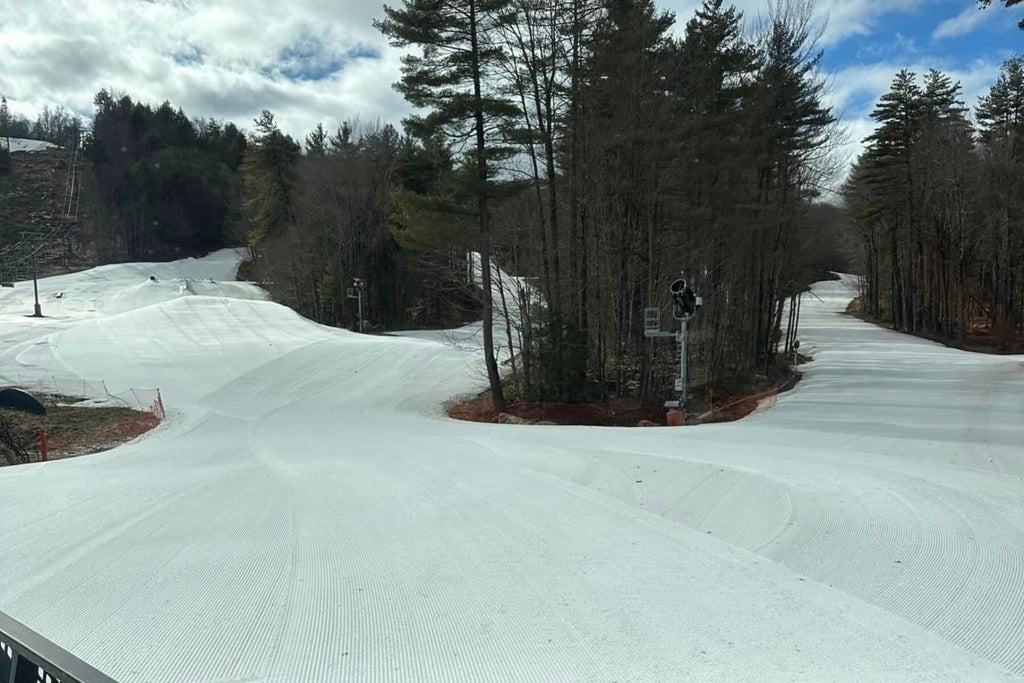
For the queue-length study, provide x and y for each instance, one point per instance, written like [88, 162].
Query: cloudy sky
[322, 60]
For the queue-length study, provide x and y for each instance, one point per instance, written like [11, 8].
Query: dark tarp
[16, 399]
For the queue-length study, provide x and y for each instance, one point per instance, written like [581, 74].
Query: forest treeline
[584, 147]
[587, 146]
[51, 125]
[596, 152]
[938, 208]
[57, 125]
[166, 184]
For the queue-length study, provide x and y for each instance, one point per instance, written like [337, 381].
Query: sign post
[356, 292]
[685, 305]
[35, 286]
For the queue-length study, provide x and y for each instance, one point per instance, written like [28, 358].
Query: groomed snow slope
[309, 514]
[24, 145]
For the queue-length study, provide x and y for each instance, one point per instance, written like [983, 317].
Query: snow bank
[23, 145]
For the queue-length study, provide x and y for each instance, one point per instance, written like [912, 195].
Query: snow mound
[153, 291]
[24, 145]
[197, 343]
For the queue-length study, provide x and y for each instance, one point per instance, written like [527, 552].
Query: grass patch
[76, 427]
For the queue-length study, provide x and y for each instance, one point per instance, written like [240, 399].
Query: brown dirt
[32, 193]
[73, 431]
[31, 202]
[730, 401]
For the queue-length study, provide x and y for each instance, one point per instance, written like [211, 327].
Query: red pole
[42, 444]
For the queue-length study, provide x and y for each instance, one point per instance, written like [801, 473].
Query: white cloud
[856, 89]
[840, 19]
[213, 58]
[968, 20]
[223, 58]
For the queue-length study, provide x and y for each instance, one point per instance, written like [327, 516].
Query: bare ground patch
[74, 427]
[727, 402]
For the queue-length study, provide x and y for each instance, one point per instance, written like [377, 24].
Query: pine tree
[898, 115]
[450, 78]
[341, 142]
[716, 63]
[792, 124]
[316, 141]
[891, 171]
[270, 179]
[5, 122]
[627, 137]
[940, 99]
[1000, 114]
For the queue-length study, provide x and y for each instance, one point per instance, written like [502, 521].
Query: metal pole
[359, 298]
[35, 285]
[682, 367]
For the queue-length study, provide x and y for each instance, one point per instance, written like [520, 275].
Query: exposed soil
[31, 202]
[726, 402]
[75, 430]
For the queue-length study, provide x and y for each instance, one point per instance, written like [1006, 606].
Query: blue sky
[954, 37]
[322, 60]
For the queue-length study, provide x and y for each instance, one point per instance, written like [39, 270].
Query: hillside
[308, 513]
[34, 208]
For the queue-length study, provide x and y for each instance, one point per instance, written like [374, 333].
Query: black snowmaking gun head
[684, 302]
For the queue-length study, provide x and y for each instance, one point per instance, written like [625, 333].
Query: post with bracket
[685, 305]
[37, 311]
[356, 292]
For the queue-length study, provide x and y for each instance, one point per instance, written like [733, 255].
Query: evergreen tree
[898, 115]
[940, 100]
[270, 180]
[450, 78]
[5, 122]
[714, 82]
[791, 126]
[316, 141]
[341, 142]
[1000, 114]
[938, 209]
[627, 129]
[890, 170]
[170, 183]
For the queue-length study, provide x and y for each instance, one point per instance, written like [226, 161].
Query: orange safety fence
[753, 401]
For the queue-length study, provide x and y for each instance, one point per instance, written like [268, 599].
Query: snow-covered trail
[309, 514]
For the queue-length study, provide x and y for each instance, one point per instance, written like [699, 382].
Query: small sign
[352, 293]
[679, 384]
[652, 319]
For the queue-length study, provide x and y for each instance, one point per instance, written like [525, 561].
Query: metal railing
[27, 657]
